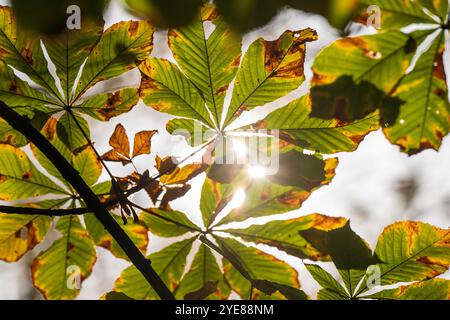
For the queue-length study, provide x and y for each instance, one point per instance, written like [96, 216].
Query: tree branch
[22, 124]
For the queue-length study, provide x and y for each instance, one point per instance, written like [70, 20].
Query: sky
[365, 188]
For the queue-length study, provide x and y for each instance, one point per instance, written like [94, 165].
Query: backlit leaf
[284, 235]
[167, 223]
[269, 70]
[142, 143]
[20, 179]
[204, 279]
[210, 60]
[434, 289]
[137, 232]
[120, 47]
[424, 117]
[412, 251]
[325, 136]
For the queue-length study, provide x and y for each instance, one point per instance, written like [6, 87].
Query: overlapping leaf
[406, 252]
[59, 271]
[284, 235]
[169, 263]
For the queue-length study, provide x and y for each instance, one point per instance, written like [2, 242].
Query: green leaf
[424, 117]
[354, 74]
[326, 294]
[19, 178]
[117, 296]
[166, 89]
[106, 106]
[215, 196]
[137, 232]
[120, 47]
[59, 271]
[327, 282]
[434, 289]
[411, 251]
[20, 234]
[169, 263]
[350, 253]
[167, 223]
[80, 155]
[166, 14]
[210, 62]
[23, 51]
[256, 267]
[436, 7]
[9, 136]
[269, 70]
[204, 279]
[294, 125]
[284, 235]
[396, 14]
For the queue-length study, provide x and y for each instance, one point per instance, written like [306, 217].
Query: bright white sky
[363, 190]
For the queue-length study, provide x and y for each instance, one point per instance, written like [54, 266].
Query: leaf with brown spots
[59, 271]
[217, 51]
[264, 197]
[121, 146]
[122, 46]
[353, 75]
[412, 251]
[142, 143]
[434, 289]
[349, 252]
[106, 106]
[73, 147]
[20, 179]
[169, 264]
[269, 70]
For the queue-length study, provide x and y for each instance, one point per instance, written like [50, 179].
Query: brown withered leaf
[113, 156]
[142, 142]
[173, 194]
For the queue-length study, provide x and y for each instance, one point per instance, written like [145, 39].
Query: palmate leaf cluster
[192, 88]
